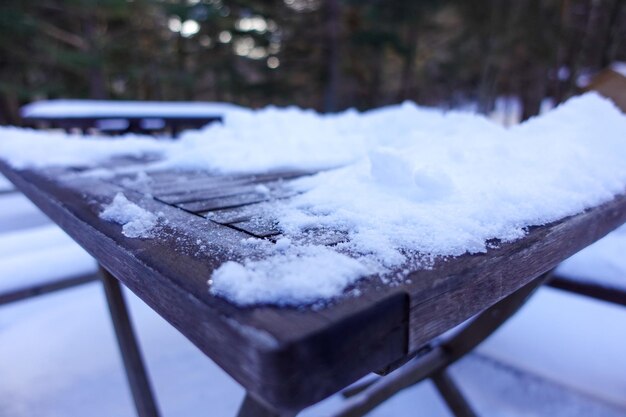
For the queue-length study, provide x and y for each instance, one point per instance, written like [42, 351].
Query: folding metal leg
[133, 363]
[251, 407]
[452, 395]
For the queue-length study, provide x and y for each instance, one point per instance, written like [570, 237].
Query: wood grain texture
[292, 357]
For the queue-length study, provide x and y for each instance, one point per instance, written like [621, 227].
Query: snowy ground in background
[60, 357]
[64, 362]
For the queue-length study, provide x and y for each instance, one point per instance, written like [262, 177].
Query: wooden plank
[188, 185]
[236, 200]
[258, 227]
[191, 184]
[227, 189]
[225, 202]
[235, 214]
[215, 190]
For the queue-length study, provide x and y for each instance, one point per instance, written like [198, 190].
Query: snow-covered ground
[562, 355]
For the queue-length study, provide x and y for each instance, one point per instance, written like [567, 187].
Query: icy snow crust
[405, 180]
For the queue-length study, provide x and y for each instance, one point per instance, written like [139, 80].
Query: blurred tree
[323, 54]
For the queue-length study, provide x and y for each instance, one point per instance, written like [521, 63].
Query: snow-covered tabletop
[297, 283]
[291, 357]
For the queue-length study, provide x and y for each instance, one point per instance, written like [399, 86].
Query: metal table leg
[133, 363]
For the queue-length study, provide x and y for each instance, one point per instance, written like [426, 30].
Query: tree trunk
[408, 68]
[616, 21]
[333, 70]
[97, 84]
[533, 90]
[9, 109]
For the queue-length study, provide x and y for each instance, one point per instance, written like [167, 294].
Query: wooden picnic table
[112, 116]
[285, 358]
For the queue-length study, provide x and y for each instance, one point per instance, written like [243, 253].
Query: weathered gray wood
[252, 196]
[225, 202]
[236, 214]
[258, 227]
[194, 183]
[205, 191]
[198, 181]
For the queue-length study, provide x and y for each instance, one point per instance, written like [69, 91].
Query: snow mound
[289, 278]
[135, 221]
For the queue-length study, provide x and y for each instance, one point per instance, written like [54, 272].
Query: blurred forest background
[323, 54]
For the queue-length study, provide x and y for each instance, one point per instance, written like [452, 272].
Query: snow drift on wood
[403, 184]
[135, 221]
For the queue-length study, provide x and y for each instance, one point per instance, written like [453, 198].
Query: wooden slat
[192, 184]
[215, 190]
[235, 214]
[224, 202]
[258, 227]
[237, 200]
[199, 183]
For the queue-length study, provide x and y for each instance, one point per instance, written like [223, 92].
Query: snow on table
[397, 180]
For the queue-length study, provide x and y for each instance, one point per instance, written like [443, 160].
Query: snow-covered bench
[124, 116]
